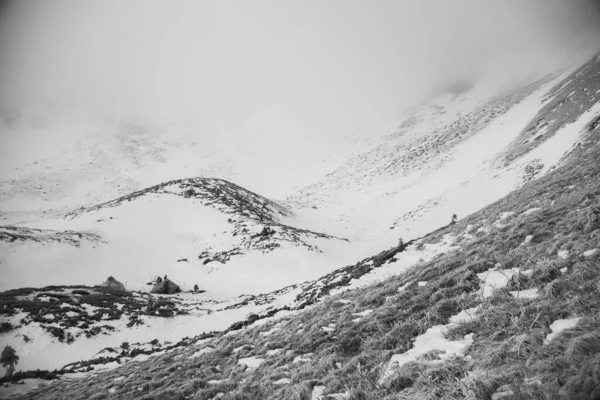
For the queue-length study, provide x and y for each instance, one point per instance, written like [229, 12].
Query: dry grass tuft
[584, 345]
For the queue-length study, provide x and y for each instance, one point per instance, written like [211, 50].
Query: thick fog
[280, 67]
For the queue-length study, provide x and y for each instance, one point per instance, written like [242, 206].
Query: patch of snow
[107, 366]
[251, 362]
[360, 315]
[589, 253]
[528, 239]
[282, 381]
[202, 351]
[274, 352]
[563, 270]
[329, 328]
[269, 332]
[563, 254]
[558, 326]
[525, 294]
[403, 287]
[465, 315]
[422, 283]
[493, 279]
[90, 309]
[317, 393]
[363, 313]
[432, 339]
[303, 358]
[531, 211]
[140, 357]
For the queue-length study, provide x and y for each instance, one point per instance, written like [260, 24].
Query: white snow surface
[147, 236]
[525, 294]
[558, 326]
[433, 339]
[251, 362]
[589, 253]
[493, 279]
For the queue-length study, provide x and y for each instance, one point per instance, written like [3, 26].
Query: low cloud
[334, 67]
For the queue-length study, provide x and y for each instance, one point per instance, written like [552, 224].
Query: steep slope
[508, 312]
[564, 104]
[199, 231]
[427, 171]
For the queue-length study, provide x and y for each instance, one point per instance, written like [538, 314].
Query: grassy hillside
[538, 243]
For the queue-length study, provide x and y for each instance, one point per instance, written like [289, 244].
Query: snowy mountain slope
[513, 296]
[564, 104]
[165, 228]
[420, 143]
[56, 325]
[59, 325]
[371, 270]
[416, 179]
[82, 160]
[508, 310]
[198, 230]
[79, 160]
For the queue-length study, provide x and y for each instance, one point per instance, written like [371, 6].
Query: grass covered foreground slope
[511, 312]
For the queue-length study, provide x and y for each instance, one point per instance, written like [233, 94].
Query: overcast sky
[301, 67]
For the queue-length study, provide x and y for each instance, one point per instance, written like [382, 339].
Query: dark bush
[6, 327]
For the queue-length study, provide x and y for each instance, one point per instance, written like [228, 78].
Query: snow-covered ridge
[218, 193]
[254, 218]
